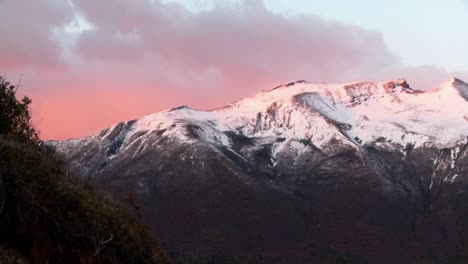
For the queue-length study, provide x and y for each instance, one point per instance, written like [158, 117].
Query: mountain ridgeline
[302, 173]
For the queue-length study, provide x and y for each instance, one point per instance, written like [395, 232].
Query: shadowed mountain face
[356, 173]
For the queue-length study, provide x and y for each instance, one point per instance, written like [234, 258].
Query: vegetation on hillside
[48, 216]
[15, 118]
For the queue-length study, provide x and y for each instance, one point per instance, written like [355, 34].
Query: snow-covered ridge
[384, 115]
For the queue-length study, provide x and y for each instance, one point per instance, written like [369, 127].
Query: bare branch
[108, 240]
[101, 243]
[19, 82]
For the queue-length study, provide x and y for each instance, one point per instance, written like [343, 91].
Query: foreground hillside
[302, 173]
[46, 216]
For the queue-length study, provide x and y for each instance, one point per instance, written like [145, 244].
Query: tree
[15, 118]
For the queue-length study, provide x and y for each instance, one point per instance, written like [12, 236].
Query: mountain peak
[403, 83]
[288, 85]
[392, 85]
[461, 87]
[452, 89]
[182, 107]
[459, 81]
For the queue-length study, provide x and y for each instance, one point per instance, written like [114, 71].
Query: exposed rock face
[370, 173]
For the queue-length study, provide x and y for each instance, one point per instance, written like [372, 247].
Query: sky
[88, 64]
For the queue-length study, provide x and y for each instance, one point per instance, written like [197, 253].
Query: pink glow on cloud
[145, 56]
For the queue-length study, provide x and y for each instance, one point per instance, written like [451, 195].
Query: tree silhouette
[15, 118]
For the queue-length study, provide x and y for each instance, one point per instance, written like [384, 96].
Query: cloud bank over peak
[129, 58]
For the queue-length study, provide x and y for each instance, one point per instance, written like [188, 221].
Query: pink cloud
[146, 56]
[235, 41]
[27, 33]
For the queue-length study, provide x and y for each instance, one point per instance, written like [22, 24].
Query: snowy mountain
[296, 170]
